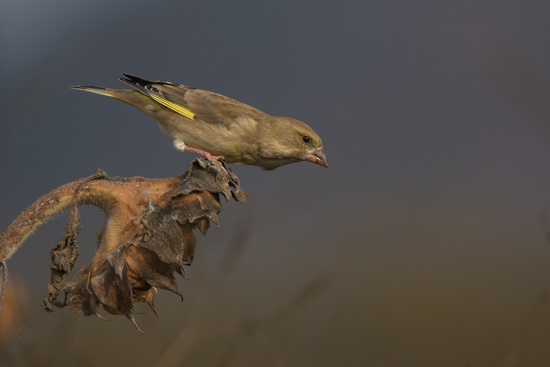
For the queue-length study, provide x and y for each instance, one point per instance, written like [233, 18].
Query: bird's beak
[318, 157]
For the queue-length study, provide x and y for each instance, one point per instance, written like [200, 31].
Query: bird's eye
[306, 139]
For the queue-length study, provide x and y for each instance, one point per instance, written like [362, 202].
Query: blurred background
[423, 244]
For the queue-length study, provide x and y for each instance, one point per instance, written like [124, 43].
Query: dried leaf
[146, 270]
[110, 284]
[63, 258]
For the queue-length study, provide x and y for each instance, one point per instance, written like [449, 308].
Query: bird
[218, 127]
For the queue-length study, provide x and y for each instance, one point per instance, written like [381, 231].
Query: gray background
[435, 120]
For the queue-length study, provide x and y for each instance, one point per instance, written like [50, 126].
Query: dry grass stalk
[526, 330]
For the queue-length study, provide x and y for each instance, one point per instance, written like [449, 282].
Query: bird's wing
[195, 104]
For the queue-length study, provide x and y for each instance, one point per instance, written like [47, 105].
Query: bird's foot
[214, 159]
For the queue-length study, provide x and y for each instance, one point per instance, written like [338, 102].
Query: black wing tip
[137, 81]
[129, 77]
[134, 80]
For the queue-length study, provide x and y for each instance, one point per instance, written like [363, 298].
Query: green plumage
[208, 123]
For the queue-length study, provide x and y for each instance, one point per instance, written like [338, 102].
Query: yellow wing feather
[173, 106]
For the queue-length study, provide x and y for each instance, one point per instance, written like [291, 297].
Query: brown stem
[118, 198]
[40, 212]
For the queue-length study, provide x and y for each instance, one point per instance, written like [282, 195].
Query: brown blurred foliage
[14, 313]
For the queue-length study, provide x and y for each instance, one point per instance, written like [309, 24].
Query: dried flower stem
[147, 236]
[44, 209]
[526, 330]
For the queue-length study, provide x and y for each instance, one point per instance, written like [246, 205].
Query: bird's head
[293, 141]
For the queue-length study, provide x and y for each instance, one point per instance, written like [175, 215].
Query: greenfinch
[218, 127]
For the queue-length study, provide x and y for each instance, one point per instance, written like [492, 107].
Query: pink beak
[318, 158]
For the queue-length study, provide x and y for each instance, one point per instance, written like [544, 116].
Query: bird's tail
[119, 94]
[132, 97]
